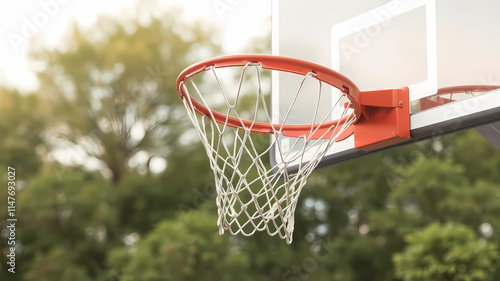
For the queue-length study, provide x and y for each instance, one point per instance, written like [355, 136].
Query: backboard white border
[392, 9]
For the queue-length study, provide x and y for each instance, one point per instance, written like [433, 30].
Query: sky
[45, 23]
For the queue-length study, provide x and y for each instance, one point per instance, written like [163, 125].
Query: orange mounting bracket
[385, 119]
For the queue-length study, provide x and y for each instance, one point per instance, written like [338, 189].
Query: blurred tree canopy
[446, 252]
[91, 206]
[113, 90]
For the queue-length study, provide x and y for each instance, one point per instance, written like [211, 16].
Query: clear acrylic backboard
[425, 45]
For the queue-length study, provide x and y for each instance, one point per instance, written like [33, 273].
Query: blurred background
[111, 186]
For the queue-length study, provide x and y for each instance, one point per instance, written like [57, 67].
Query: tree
[186, 248]
[113, 90]
[111, 95]
[446, 252]
[22, 121]
[64, 224]
[369, 205]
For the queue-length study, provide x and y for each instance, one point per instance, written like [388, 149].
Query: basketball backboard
[425, 45]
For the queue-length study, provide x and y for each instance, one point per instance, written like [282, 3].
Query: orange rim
[291, 65]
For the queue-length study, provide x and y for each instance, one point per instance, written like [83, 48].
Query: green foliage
[432, 180]
[449, 252]
[21, 123]
[56, 264]
[374, 202]
[75, 214]
[187, 248]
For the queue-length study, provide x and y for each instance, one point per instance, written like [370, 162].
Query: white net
[253, 194]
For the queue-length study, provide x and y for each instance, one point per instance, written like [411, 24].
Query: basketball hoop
[252, 195]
